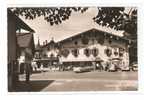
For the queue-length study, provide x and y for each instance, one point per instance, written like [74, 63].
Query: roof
[51, 43]
[19, 23]
[92, 31]
[38, 47]
[24, 39]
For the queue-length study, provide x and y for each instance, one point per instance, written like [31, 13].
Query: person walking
[27, 72]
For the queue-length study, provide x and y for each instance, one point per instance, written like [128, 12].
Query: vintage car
[112, 68]
[82, 69]
[125, 68]
[134, 66]
[68, 68]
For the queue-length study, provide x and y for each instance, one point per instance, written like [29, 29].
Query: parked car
[125, 68]
[134, 66]
[77, 69]
[67, 68]
[82, 69]
[112, 68]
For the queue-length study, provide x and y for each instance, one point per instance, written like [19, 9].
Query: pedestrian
[41, 67]
[27, 71]
[34, 65]
[106, 66]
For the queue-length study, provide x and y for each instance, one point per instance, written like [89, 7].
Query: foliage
[54, 15]
[115, 17]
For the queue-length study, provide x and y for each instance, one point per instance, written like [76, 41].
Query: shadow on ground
[32, 86]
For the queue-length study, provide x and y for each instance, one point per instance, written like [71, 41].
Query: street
[87, 81]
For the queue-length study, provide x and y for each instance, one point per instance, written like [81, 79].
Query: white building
[94, 45]
[88, 47]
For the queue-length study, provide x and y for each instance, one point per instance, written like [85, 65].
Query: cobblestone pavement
[87, 81]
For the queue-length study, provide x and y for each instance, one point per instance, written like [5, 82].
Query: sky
[77, 23]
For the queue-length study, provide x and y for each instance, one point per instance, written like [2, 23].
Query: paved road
[88, 81]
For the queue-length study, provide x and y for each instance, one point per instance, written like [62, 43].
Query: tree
[54, 15]
[116, 18]
[113, 17]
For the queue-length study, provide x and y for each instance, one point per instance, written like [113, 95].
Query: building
[47, 53]
[26, 49]
[89, 47]
[94, 46]
[14, 24]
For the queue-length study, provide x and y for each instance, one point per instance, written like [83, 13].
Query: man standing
[42, 67]
[28, 68]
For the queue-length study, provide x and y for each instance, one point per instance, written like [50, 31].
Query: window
[110, 41]
[44, 55]
[95, 52]
[65, 52]
[121, 52]
[108, 52]
[116, 51]
[87, 52]
[101, 40]
[76, 43]
[75, 52]
[51, 55]
[37, 55]
[85, 40]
